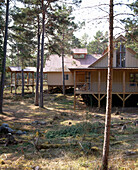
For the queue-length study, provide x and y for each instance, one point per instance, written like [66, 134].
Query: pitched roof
[120, 37]
[18, 69]
[79, 50]
[54, 63]
[105, 53]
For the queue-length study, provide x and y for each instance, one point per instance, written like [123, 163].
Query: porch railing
[116, 87]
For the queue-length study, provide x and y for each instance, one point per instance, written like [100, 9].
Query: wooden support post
[124, 88]
[119, 97]
[95, 96]
[74, 90]
[11, 82]
[128, 97]
[99, 101]
[27, 78]
[103, 96]
[15, 82]
[33, 83]
[99, 89]
[123, 100]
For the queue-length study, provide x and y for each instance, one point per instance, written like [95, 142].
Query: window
[66, 77]
[79, 56]
[133, 78]
[120, 55]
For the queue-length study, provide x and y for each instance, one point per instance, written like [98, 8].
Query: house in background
[92, 80]
[88, 74]
[53, 67]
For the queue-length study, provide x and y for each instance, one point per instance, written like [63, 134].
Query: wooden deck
[94, 83]
[92, 88]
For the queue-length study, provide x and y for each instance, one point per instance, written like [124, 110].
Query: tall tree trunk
[42, 56]
[38, 63]
[63, 75]
[4, 58]
[109, 92]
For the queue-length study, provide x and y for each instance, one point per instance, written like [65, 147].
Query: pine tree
[109, 92]
[22, 37]
[131, 27]
[42, 55]
[2, 13]
[62, 39]
[36, 102]
[4, 57]
[98, 45]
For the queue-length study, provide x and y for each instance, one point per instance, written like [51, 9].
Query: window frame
[134, 80]
[120, 55]
[79, 56]
[66, 76]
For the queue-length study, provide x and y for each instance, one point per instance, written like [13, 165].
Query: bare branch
[103, 10]
[118, 21]
[123, 4]
[99, 18]
[124, 14]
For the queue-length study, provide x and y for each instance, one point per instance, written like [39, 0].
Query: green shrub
[74, 130]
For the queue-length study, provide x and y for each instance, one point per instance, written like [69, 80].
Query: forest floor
[73, 139]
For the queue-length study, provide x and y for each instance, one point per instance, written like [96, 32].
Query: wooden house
[92, 80]
[53, 67]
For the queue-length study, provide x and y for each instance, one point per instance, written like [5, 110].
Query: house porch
[94, 81]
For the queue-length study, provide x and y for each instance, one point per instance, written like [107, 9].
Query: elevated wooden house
[93, 79]
[53, 67]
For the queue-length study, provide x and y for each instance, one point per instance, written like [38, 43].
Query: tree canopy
[131, 27]
[96, 46]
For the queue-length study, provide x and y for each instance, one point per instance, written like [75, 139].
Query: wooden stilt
[11, 82]
[119, 96]
[128, 97]
[123, 100]
[124, 88]
[33, 83]
[74, 90]
[99, 89]
[99, 98]
[27, 79]
[15, 82]
[95, 96]
[99, 101]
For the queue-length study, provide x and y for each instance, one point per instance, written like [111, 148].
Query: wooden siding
[55, 79]
[131, 60]
[102, 62]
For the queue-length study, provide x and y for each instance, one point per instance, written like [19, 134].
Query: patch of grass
[74, 130]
